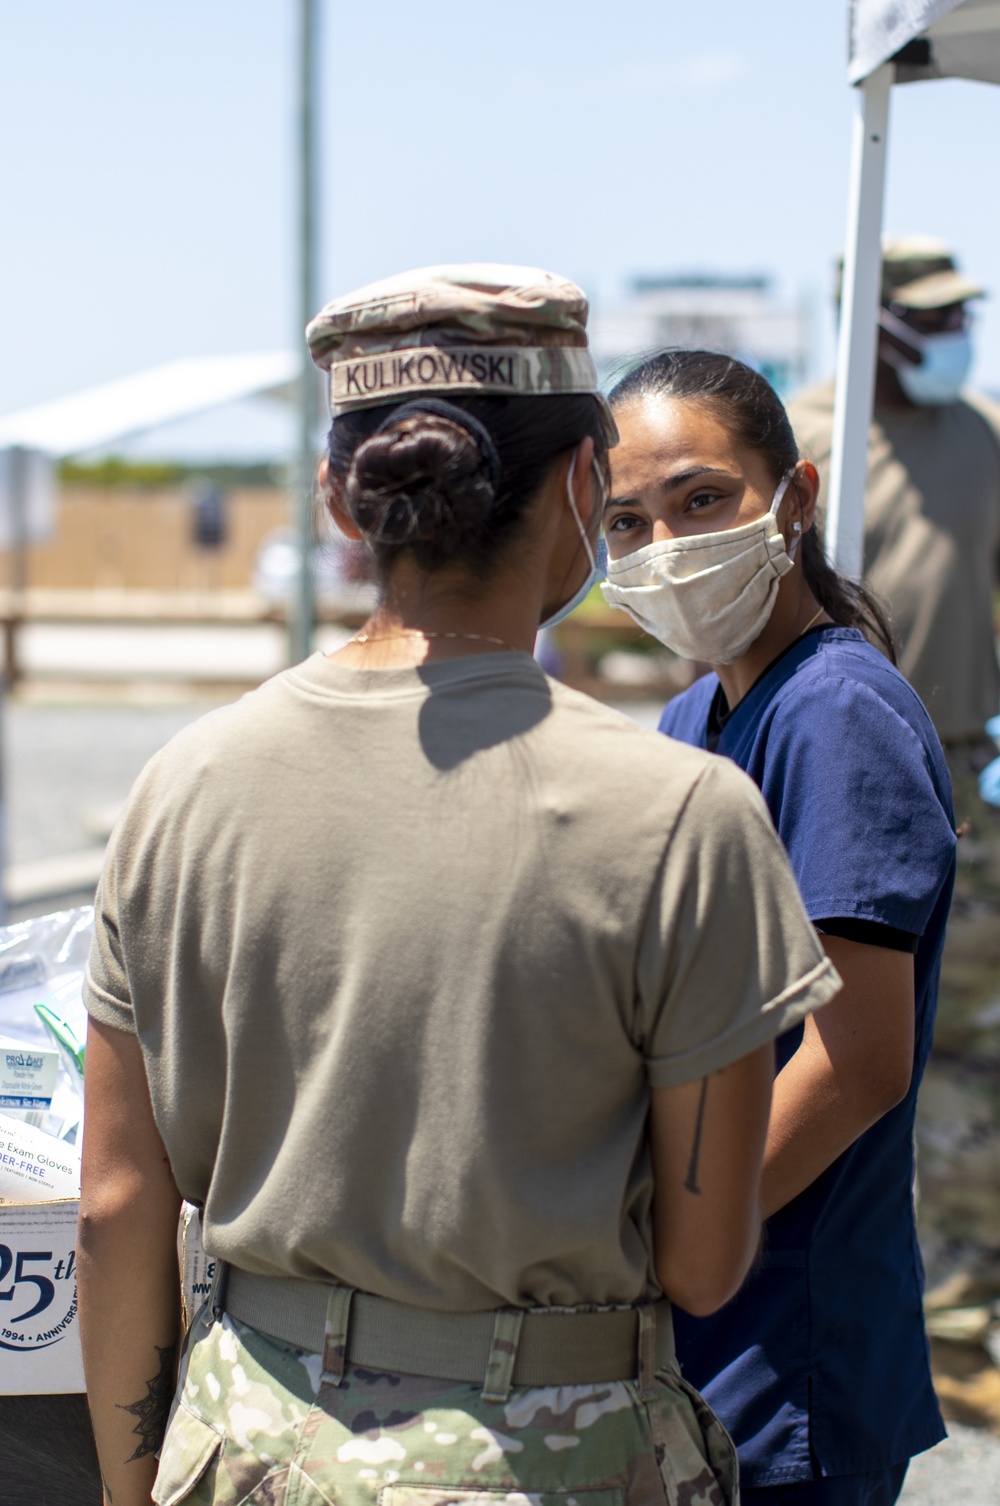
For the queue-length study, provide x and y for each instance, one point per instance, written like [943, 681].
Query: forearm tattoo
[691, 1180]
[152, 1411]
[107, 1491]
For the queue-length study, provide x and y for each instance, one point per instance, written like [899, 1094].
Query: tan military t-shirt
[932, 536]
[405, 951]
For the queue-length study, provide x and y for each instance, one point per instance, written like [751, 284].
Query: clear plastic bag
[42, 963]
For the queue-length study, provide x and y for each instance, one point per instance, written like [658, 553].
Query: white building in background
[737, 314]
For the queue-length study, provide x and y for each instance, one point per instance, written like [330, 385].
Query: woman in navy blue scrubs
[819, 1366]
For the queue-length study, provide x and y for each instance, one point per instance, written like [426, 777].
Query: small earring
[796, 527]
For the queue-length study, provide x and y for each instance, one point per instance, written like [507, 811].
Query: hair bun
[422, 481]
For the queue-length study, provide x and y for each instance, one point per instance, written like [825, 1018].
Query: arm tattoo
[107, 1491]
[152, 1411]
[691, 1180]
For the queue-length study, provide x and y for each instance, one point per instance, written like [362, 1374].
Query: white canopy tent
[113, 411]
[890, 41]
[32, 439]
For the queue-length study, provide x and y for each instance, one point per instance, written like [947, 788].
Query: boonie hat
[919, 272]
[477, 329]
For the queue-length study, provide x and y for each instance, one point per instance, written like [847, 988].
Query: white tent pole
[860, 297]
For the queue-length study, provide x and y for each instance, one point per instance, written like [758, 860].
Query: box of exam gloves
[43, 1026]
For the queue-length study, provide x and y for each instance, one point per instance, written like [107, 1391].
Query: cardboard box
[39, 1331]
[196, 1267]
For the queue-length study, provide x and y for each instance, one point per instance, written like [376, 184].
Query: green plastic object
[72, 1051]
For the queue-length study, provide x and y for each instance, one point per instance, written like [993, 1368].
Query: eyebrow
[672, 483]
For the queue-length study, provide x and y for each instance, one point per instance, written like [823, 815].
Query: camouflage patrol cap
[919, 272]
[476, 329]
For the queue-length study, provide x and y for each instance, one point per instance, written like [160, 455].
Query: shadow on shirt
[463, 717]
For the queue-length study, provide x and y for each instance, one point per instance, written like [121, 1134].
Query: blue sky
[147, 179]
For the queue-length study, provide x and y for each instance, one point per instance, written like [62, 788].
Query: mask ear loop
[576, 516]
[783, 486]
[601, 563]
[907, 336]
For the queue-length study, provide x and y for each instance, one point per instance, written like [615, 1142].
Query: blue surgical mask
[945, 361]
[598, 561]
[943, 369]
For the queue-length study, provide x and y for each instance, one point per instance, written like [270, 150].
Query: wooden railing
[152, 609]
[582, 640]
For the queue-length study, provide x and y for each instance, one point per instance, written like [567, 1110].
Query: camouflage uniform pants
[958, 1116]
[254, 1422]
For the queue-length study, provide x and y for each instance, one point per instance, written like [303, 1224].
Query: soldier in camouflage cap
[479, 329]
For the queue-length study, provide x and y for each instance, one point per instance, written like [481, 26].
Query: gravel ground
[962, 1471]
[65, 765]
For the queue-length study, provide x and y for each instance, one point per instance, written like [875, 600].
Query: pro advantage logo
[37, 1298]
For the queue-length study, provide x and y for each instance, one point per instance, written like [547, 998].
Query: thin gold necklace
[812, 621]
[419, 633]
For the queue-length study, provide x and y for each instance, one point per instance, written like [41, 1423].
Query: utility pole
[302, 607]
[17, 480]
[18, 461]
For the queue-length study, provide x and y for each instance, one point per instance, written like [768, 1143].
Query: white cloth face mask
[708, 596]
[598, 561]
[945, 362]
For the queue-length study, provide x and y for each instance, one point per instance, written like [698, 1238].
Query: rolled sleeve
[728, 959]
[106, 992]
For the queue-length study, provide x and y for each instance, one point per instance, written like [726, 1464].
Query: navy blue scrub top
[819, 1365]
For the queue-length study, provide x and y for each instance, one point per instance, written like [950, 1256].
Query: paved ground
[962, 1471]
[64, 764]
[68, 767]
[67, 770]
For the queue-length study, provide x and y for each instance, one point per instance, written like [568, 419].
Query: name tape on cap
[495, 369]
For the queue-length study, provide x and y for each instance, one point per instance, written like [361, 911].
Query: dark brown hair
[428, 487]
[753, 413]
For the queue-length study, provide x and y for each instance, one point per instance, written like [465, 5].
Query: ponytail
[847, 601]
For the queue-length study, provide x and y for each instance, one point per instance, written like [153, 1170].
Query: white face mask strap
[903, 332]
[579, 522]
[779, 495]
[783, 486]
